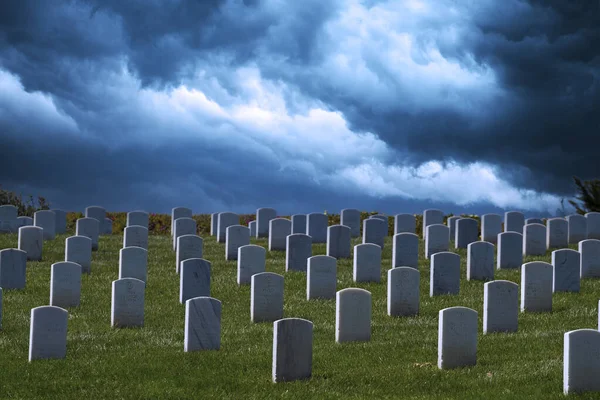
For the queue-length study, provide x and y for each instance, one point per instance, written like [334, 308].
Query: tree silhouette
[589, 196]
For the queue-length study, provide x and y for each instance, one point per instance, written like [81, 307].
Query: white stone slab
[431, 217]
[403, 291]
[23, 221]
[405, 250]
[353, 315]
[214, 223]
[60, 224]
[457, 337]
[557, 233]
[338, 241]
[350, 217]
[65, 284]
[367, 263]
[266, 297]
[491, 227]
[581, 361]
[188, 246]
[252, 226]
[236, 236]
[405, 223]
[135, 235]
[577, 225]
[202, 324]
[500, 306]
[451, 223]
[298, 250]
[13, 263]
[279, 230]
[316, 227]
[184, 226]
[536, 287]
[467, 232]
[321, 278]
[31, 241]
[292, 349]
[263, 217]
[194, 280]
[8, 218]
[251, 260]
[480, 261]
[179, 212]
[299, 223]
[133, 263]
[438, 241]
[88, 227]
[590, 258]
[48, 333]
[444, 274]
[567, 264]
[593, 225]
[514, 221]
[534, 240]
[374, 231]
[127, 305]
[510, 250]
[138, 218]
[224, 221]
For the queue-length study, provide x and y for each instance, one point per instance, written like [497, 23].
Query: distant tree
[589, 196]
[25, 208]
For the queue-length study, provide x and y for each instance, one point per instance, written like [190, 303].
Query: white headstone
[184, 226]
[353, 315]
[127, 305]
[236, 236]
[500, 306]
[138, 218]
[403, 291]
[8, 218]
[135, 235]
[451, 223]
[202, 324]
[557, 233]
[224, 221]
[263, 217]
[321, 278]
[88, 227]
[266, 297]
[338, 241]
[577, 228]
[491, 227]
[214, 223]
[194, 280]
[251, 260]
[432, 217]
[133, 263]
[480, 261]
[188, 246]
[590, 258]
[13, 263]
[350, 217]
[438, 241]
[252, 226]
[534, 240]
[23, 221]
[536, 287]
[374, 231]
[96, 212]
[299, 223]
[457, 337]
[298, 250]
[367, 263]
[581, 361]
[292, 349]
[60, 225]
[65, 284]
[534, 221]
[593, 225]
[467, 232]
[444, 274]
[279, 230]
[514, 221]
[510, 250]
[316, 227]
[179, 212]
[405, 250]
[566, 263]
[48, 333]
[46, 220]
[405, 223]
[31, 241]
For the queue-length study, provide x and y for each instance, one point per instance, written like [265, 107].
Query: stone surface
[403, 291]
[127, 303]
[135, 235]
[467, 232]
[138, 218]
[31, 241]
[48, 333]
[405, 250]
[298, 250]
[374, 231]
[384, 218]
[350, 217]
[590, 258]
[500, 306]
[480, 261]
[510, 250]
[202, 324]
[577, 227]
[534, 221]
[353, 315]
[263, 217]
[367, 263]
[593, 225]
[514, 221]
[557, 233]
[252, 226]
[184, 226]
[65, 284]
[338, 241]
[566, 263]
[491, 227]
[444, 274]
[96, 212]
[431, 217]
[405, 223]
[321, 278]
[179, 212]
[292, 349]
[188, 246]
[316, 227]
[266, 297]
[133, 263]
[13, 271]
[236, 236]
[581, 361]
[299, 223]
[451, 223]
[23, 221]
[279, 230]
[88, 227]
[225, 220]
[534, 240]
[251, 260]
[60, 223]
[214, 223]
[46, 220]
[8, 218]
[194, 280]
[438, 241]
[457, 337]
[536, 287]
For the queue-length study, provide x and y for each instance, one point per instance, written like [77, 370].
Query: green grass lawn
[400, 361]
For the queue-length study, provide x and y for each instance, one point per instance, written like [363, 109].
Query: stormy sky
[229, 105]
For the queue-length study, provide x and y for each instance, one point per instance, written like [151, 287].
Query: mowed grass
[400, 361]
